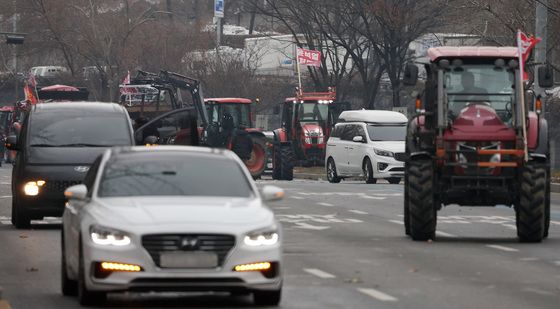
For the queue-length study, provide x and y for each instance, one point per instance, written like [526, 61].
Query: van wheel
[20, 220]
[332, 176]
[368, 171]
[85, 296]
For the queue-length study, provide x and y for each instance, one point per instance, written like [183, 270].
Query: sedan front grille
[216, 243]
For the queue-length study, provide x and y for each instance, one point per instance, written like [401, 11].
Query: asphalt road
[344, 248]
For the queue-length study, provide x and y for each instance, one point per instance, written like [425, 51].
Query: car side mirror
[546, 76]
[76, 192]
[410, 74]
[11, 142]
[358, 139]
[272, 193]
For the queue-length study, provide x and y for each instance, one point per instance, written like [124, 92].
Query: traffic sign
[219, 8]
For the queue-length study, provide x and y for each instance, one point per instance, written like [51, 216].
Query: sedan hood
[180, 210]
[394, 147]
[64, 155]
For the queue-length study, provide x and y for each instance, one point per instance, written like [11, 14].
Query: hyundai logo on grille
[188, 243]
[81, 169]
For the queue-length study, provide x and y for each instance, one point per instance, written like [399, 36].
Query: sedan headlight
[384, 153]
[263, 237]
[108, 237]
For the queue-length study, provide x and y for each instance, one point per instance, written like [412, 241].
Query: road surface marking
[6, 222]
[529, 259]
[307, 226]
[297, 197]
[377, 294]
[359, 212]
[319, 273]
[555, 222]
[5, 183]
[503, 248]
[46, 220]
[282, 207]
[326, 204]
[354, 220]
[444, 234]
[557, 263]
[6, 196]
[510, 226]
[396, 221]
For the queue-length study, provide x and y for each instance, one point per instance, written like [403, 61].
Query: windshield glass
[480, 84]
[68, 128]
[313, 112]
[174, 175]
[386, 133]
[239, 112]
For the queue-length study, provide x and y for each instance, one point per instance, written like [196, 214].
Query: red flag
[126, 80]
[309, 57]
[29, 96]
[525, 44]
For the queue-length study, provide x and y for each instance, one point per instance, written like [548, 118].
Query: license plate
[198, 259]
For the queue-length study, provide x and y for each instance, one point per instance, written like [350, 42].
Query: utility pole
[540, 50]
[14, 26]
[218, 15]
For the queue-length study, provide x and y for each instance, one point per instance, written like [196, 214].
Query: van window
[386, 133]
[348, 133]
[337, 130]
[74, 128]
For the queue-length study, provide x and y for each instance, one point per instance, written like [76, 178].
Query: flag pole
[522, 94]
[298, 69]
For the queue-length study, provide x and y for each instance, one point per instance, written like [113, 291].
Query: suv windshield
[386, 133]
[74, 128]
[174, 175]
[480, 84]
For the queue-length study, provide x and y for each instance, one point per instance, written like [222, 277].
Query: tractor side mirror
[546, 76]
[410, 74]
[276, 110]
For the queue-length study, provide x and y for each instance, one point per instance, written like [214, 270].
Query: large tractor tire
[276, 164]
[547, 205]
[531, 208]
[406, 211]
[257, 162]
[421, 200]
[286, 162]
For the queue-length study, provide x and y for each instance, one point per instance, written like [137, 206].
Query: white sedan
[170, 218]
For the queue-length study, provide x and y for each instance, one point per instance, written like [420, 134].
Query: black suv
[57, 144]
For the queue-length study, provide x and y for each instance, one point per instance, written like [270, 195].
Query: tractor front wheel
[257, 162]
[531, 208]
[421, 200]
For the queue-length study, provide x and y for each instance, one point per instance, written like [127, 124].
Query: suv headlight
[384, 153]
[262, 237]
[108, 237]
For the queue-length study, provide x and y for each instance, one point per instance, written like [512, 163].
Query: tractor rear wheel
[257, 162]
[421, 200]
[531, 208]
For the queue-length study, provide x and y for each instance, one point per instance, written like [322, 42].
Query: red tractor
[240, 111]
[307, 120]
[474, 142]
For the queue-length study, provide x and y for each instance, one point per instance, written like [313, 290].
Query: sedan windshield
[70, 128]
[386, 133]
[174, 176]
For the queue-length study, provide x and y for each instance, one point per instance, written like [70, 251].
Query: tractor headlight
[108, 237]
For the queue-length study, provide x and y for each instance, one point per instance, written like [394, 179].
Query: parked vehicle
[476, 143]
[6, 121]
[307, 120]
[57, 144]
[170, 219]
[369, 144]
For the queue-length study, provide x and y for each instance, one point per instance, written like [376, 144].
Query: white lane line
[297, 197]
[307, 226]
[325, 204]
[503, 248]
[5, 183]
[6, 222]
[510, 226]
[354, 220]
[359, 212]
[444, 234]
[555, 222]
[397, 222]
[282, 207]
[377, 294]
[529, 259]
[557, 263]
[6, 196]
[319, 273]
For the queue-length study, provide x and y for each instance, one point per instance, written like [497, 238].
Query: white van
[367, 143]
